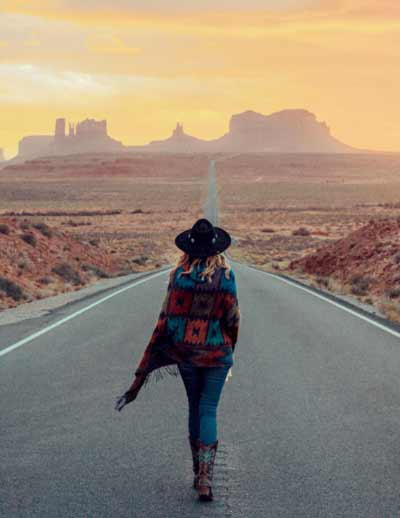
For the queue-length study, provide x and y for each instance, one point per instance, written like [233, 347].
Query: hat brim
[222, 242]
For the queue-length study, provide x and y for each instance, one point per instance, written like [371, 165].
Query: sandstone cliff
[287, 131]
[284, 131]
[89, 136]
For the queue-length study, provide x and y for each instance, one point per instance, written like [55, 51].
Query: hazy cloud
[202, 60]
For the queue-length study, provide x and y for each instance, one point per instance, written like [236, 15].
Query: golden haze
[143, 70]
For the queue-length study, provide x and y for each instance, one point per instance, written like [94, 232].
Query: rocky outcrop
[284, 131]
[179, 141]
[89, 136]
[37, 261]
[368, 259]
[287, 131]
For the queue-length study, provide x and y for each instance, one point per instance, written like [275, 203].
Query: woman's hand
[229, 374]
[120, 403]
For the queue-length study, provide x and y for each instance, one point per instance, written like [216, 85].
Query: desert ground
[283, 207]
[126, 209]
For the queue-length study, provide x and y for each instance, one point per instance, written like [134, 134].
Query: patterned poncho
[198, 324]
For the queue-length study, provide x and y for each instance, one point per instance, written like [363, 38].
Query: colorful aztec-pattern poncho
[198, 324]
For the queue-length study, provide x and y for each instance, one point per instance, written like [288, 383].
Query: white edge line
[337, 304]
[77, 313]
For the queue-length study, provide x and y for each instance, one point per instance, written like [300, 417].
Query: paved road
[308, 424]
[211, 205]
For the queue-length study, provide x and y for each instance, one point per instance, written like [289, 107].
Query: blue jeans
[203, 388]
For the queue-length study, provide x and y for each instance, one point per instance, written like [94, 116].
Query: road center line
[77, 313]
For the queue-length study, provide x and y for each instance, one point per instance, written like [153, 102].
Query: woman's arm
[159, 328]
[232, 312]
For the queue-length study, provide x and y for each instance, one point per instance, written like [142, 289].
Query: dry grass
[264, 199]
[329, 195]
[390, 309]
[132, 205]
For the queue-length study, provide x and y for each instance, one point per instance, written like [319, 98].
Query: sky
[145, 64]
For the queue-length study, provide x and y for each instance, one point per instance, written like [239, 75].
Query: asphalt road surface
[308, 425]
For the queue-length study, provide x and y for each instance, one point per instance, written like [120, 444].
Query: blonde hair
[212, 262]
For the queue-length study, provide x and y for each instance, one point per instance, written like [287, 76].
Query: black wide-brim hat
[203, 239]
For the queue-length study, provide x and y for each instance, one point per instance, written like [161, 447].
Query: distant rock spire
[178, 131]
[59, 133]
[1, 155]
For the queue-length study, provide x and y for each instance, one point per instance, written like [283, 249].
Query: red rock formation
[179, 141]
[285, 131]
[372, 252]
[89, 136]
[59, 133]
[38, 261]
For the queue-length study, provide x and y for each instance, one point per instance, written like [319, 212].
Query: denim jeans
[203, 388]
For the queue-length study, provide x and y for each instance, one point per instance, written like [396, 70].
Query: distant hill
[284, 131]
[88, 136]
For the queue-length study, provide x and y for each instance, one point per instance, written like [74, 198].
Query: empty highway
[308, 424]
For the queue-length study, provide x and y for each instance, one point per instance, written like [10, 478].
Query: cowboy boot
[195, 456]
[207, 454]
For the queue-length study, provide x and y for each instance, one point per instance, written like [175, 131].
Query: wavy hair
[212, 262]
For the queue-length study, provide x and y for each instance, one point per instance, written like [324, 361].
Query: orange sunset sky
[145, 64]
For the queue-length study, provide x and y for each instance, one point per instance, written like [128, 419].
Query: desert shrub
[86, 267]
[392, 293]
[267, 229]
[140, 260]
[390, 309]
[25, 264]
[11, 289]
[44, 229]
[396, 258]
[4, 229]
[24, 225]
[94, 242]
[46, 280]
[360, 284]
[323, 281]
[66, 272]
[29, 238]
[73, 223]
[302, 231]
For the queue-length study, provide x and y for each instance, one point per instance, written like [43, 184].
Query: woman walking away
[195, 336]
